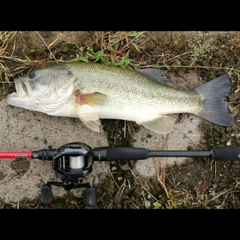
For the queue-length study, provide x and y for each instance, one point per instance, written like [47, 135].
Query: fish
[95, 91]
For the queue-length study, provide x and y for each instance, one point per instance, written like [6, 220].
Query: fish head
[45, 88]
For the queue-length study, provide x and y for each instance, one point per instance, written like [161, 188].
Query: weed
[113, 48]
[157, 205]
[5, 53]
[199, 48]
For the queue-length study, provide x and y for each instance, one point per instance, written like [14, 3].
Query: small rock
[125, 167]
[2, 175]
[147, 204]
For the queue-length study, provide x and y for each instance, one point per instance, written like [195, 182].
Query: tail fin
[214, 106]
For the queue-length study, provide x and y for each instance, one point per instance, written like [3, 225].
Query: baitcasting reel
[73, 161]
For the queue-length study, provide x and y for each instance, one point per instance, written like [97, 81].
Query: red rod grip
[15, 155]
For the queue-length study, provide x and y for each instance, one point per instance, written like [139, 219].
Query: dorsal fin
[157, 75]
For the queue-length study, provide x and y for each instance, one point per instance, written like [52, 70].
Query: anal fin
[160, 125]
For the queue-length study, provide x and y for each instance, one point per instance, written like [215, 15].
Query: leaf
[136, 47]
[157, 204]
[83, 59]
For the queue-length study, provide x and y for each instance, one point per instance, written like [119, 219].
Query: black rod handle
[131, 153]
[230, 153]
[119, 153]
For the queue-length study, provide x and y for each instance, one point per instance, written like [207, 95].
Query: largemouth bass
[94, 91]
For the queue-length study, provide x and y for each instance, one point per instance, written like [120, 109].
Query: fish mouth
[23, 89]
[22, 95]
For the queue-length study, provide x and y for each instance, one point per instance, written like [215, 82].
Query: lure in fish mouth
[93, 91]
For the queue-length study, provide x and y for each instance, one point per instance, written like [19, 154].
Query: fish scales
[133, 91]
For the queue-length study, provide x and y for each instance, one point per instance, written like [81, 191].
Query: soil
[197, 183]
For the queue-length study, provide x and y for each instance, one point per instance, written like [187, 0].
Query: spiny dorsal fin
[157, 75]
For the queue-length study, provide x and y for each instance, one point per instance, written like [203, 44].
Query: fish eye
[31, 74]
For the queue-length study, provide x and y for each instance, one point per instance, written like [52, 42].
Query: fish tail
[214, 107]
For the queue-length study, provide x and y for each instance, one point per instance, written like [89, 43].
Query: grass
[210, 54]
[126, 49]
[111, 48]
[5, 39]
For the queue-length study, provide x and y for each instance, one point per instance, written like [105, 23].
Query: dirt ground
[160, 183]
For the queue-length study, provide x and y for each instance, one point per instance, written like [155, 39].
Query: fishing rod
[73, 161]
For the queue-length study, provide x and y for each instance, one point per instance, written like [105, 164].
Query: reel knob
[91, 197]
[46, 194]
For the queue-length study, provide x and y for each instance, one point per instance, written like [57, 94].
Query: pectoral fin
[91, 99]
[161, 125]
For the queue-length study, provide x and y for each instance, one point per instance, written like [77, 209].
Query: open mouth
[22, 96]
[23, 89]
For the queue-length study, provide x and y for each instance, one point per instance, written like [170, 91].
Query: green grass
[112, 48]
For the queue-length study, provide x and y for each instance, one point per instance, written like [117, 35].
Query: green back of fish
[131, 87]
